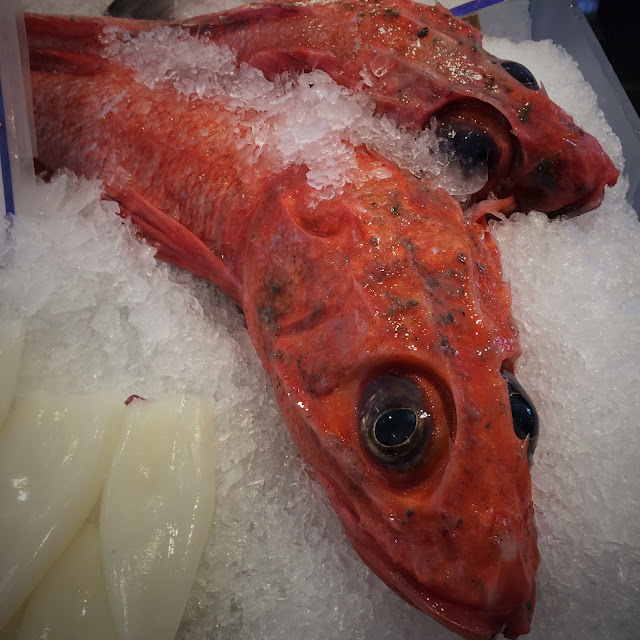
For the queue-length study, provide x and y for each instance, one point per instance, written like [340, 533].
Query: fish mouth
[467, 621]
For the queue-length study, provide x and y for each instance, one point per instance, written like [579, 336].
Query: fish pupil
[394, 421]
[472, 147]
[395, 426]
[521, 74]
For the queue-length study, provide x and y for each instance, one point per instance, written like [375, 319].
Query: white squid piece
[11, 347]
[71, 601]
[55, 451]
[157, 510]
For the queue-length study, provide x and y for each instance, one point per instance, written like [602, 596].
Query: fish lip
[467, 621]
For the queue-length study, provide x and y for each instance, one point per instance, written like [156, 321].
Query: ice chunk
[308, 119]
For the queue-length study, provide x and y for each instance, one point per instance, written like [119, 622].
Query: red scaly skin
[418, 63]
[385, 278]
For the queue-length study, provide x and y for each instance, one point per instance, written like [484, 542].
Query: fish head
[428, 69]
[386, 328]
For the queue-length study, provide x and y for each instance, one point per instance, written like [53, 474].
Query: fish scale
[385, 280]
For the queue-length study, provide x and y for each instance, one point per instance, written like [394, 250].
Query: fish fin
[240, 16]
[56, 61]
[79, 34]
[491, 208]
[175, 244]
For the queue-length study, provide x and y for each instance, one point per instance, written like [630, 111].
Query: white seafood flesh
[11, 346]
[157, 509]
[55, 451]
[71, 601]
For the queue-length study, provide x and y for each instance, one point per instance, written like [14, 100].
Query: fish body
[379, 312]
[422, 67]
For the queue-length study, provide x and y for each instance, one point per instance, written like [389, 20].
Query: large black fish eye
[521, 74]
[524, 414]
[472, 147]
[393, 420]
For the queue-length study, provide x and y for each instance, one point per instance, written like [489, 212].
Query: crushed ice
[306, 119]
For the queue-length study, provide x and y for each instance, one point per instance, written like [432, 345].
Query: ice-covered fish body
[424, 68]
[379, 312]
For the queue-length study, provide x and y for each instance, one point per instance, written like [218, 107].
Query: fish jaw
[466, 621]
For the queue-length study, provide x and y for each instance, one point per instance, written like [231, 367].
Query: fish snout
[512, 559]
[566, 176]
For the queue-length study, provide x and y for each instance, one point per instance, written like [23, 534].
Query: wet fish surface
[379, 310]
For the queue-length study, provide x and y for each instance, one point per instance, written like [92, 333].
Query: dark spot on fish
[408, 244]
[422, 33]
[479, 267]
[361, 14]
[523, 114]
[395, 210]
[391, 12]
[409, 513]
[400, 305]
[444, 532]
[459, 523]
[488, 426]
[462, 258]
[266, 314]
[529, 605]
[432, 282]
[490, 83]
[375, 242]
[275, 287]
[446, 345]
[448, 318]
[545, 173]
[374, 204]
[450, 272]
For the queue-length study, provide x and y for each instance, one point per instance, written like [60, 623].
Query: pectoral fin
[175, 244]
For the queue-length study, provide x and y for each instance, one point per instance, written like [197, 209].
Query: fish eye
[471, 146]
[394, 422]
[521, 74]
[479, 140]
[524, 414]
